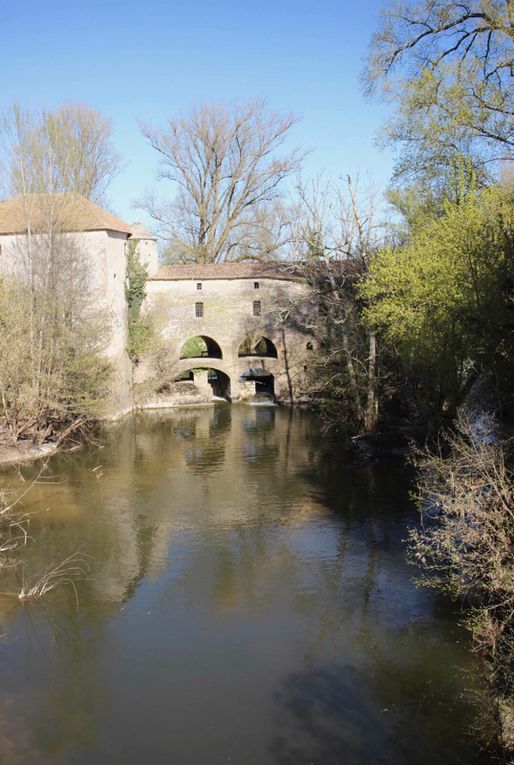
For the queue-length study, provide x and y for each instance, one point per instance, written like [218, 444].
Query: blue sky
[149, 60]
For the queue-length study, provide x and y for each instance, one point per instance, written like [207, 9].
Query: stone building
[235, 330]
[240, 329]
[99, 239]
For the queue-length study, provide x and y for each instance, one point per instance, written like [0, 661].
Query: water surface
[248, 602]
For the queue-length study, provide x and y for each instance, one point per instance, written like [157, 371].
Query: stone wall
[228, 318]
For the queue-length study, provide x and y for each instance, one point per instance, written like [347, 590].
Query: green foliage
[194, 347]
[448, 67]
[443, 303]
[139, 327]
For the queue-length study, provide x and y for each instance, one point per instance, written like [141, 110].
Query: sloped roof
[138, 231]
[199, 272]
[71, 212]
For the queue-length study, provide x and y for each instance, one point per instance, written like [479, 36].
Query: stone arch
[199, 347]
[263, 381]
[217, 378]
[257, 345]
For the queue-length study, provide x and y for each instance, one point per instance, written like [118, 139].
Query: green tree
[139, 327]
[444, 302]
[448, 67]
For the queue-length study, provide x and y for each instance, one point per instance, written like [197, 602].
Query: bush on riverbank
[466, 543]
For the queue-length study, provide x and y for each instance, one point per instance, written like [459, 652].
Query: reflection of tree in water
[56, 713]
[323, 716]
[339, 715]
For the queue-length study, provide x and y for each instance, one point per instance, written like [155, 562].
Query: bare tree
[69, 149]
[335, 233]
[53, 375]
[222, 163]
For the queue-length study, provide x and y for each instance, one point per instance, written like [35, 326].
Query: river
[247, 602]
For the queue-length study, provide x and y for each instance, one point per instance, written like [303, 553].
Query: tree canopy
[224, 168]
[444, 301]
[449, 68]
[69, 149]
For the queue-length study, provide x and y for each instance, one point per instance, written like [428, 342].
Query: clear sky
[149, 60]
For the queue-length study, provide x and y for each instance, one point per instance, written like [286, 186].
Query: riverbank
[26, 451]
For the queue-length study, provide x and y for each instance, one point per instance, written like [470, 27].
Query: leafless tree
[52, 335]
[69, 149]
[223, 164]
[335, 233]
[465, 542]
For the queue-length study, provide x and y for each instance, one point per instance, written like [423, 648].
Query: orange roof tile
[197, 271]
[69, 212]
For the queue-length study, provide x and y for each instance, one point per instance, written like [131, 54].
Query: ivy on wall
[139, 327]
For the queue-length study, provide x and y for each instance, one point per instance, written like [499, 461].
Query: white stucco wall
[147, 250]
[105, 258]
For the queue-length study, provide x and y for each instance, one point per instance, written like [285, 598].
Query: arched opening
[199, 347]
[186, 376]
[219, 382]
[263, 382]
[257, 345]
[201, 377]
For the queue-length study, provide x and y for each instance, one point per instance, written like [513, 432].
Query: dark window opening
[198, 310]
[310, 346]
[257, 308]
[256, 285]
[198, 285]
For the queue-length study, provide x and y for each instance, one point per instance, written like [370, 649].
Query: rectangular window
[198, 310]
[256, 285]
[198, 285]
[257, 307]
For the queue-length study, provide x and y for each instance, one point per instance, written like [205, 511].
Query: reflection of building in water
[165, 475]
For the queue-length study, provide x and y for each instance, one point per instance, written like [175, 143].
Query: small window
[257, 308]
[198, 285]
[256, 285]
[198, 310]
[310, 346]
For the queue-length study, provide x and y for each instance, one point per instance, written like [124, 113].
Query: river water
[247, 602]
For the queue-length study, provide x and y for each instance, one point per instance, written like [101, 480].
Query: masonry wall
[228, 308]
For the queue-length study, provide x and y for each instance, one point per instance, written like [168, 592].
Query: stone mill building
[230, 330]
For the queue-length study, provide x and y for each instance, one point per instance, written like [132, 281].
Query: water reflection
[249, 602]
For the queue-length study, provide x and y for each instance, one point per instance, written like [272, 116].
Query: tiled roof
[70, 212]
[196, 271]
